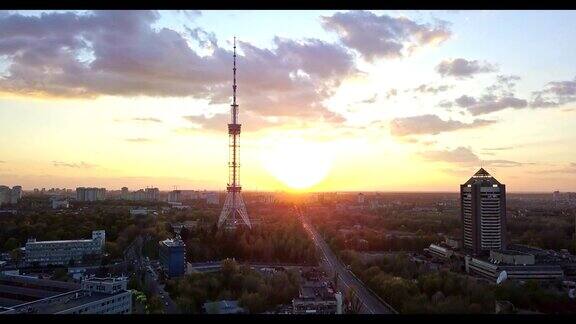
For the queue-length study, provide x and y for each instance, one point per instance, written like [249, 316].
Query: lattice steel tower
[234, 210]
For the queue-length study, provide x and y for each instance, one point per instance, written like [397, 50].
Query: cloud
[250, 122]
[501, 148]
[465, 101]
[147, 119]
[497, 97]
[391, 93]
[431, 124]
[370, 100]
[445, 104]
[489, 103]
[569, 169]
[464, 156]
[81, 165]
[502, 163]
[383, 36]
[139, 140]
[423, 88]
[457, 155]
[461, 68]
[122, 53]
[554, 94]
[2, 161]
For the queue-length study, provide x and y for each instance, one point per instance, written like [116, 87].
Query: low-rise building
[317, 298]
[62, 252]
[223, 307]
[60, 204]
[27, 295]
[316, 295]
[492, 269]
[438, 251]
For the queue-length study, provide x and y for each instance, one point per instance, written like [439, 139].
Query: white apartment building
[212, 198]
[90, 194]
[61, 252]
[10, 196]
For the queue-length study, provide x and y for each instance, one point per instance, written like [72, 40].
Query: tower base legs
[233, 212]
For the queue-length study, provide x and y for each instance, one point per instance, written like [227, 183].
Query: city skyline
[341, 101]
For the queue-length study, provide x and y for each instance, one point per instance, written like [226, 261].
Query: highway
[371, 304]
[152, 278]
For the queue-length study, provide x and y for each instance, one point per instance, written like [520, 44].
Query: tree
[11, 244]
[155, 305]
[254, 302]
[60, 274]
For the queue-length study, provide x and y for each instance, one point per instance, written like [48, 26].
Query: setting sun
[297, 163]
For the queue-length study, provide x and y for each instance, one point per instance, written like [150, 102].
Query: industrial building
[522, 263]
[29, 295]
[172, 255]
[483, 214]
[43, 253]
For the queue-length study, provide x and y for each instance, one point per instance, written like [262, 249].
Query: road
[371, 304]
[152, 279]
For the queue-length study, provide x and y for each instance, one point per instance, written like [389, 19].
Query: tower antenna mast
[234, 209]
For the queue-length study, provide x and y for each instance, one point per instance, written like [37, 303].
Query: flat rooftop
[61, 241]
[16, 290]
[173, 243]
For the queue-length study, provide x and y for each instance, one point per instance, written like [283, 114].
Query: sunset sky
[329, 100]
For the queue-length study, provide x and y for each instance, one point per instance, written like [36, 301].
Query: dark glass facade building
[172, 255]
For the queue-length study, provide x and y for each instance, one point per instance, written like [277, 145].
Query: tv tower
[234, 209]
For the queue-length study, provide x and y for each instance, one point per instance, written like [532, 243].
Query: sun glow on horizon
[297, 163]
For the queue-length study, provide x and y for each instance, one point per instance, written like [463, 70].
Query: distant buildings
[28, 295]
[90, 194]
[564, 198]
[212, 198]
[45, 253]
[148, 194]
[483, 210]
[361, 199]
[59, 203]
[172, 255]
[10, 196]
[125, 194]
[174, 196]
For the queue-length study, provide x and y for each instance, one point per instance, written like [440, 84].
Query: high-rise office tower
[483, 210]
